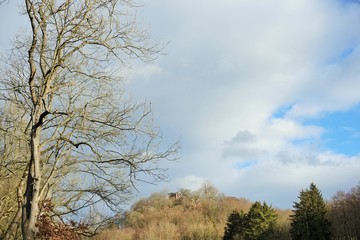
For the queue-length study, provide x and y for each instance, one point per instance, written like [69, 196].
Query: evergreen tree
[235, 226]
[261, 220]
[257, 224]
[309, 220]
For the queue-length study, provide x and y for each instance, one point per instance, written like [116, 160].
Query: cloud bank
[241, 85]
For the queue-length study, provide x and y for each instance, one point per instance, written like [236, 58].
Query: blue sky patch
[345, 3]
[282, 111]
[342, 55]
[342, 131]
[245, 164]
[350, 1]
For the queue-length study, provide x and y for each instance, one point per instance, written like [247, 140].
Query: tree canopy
[309, 220]
[235, 226]
[344, 213]
[257, 224]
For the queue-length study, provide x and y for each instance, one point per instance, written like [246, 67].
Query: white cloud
[231, 65]
[189, 182]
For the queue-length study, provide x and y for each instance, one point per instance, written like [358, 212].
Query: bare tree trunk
[32, 194]
[30, 211]
[16, 222]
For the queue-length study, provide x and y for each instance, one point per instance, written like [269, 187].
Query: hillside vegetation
[200, 215]
[207, 214]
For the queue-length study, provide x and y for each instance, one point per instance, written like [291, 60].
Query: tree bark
[32, 194]
[30, 210]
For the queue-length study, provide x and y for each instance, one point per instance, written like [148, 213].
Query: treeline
[344, 214]
[207, 214]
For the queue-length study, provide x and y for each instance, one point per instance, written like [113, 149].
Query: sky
[264, 95]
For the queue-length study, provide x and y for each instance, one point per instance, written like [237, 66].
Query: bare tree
[344, 213]
[13, 149]
[86, 142]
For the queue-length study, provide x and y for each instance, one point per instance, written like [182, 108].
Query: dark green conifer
[309, 221]
[235, 226]
[257, 224]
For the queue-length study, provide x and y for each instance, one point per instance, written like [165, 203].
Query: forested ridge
[208, 214]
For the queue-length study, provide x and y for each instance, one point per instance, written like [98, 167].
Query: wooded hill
[205, 214]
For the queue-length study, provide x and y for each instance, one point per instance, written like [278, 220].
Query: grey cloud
[242, 146]
[244, 136]
[308, 158]
[243, 152]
